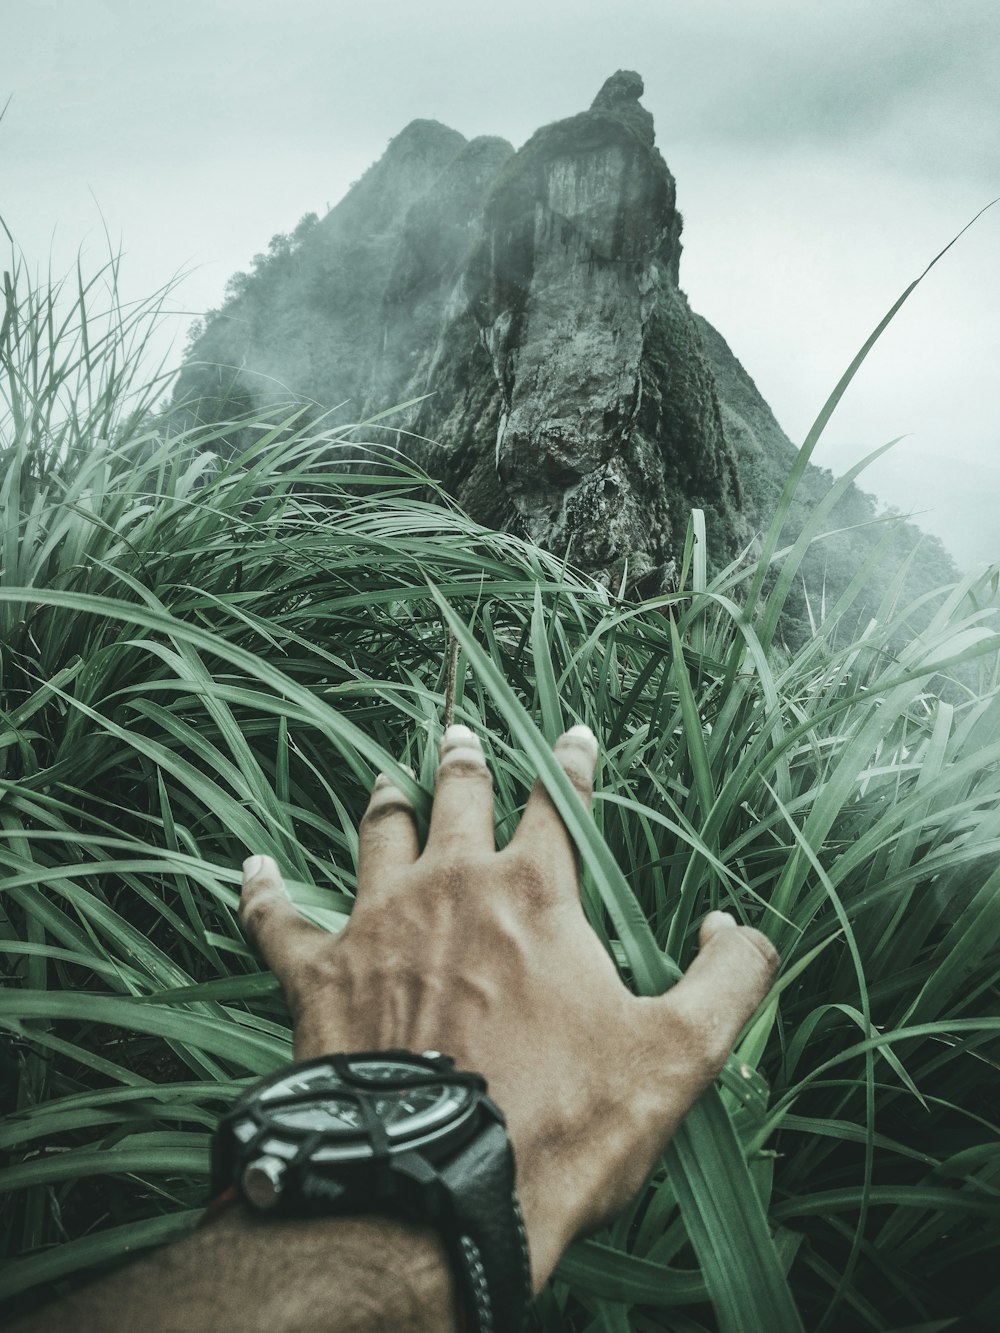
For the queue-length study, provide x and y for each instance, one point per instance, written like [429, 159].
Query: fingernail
[252, 866]
[716, 920]
[458, 732]
[581, 732]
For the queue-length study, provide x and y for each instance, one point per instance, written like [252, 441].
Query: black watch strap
[490, 1248]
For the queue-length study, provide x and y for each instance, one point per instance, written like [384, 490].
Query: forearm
[243, 1273]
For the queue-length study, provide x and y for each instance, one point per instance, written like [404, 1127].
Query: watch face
[315, 1100]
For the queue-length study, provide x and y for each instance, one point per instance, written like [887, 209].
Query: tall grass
[206, 655]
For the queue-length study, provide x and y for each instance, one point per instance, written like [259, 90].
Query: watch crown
[444, 1060]
[263, 1182]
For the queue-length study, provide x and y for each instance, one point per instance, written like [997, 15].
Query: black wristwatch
[389, 1132]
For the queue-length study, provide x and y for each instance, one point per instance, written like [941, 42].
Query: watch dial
[332, 1112]
[404, 1112]
[317, 1079]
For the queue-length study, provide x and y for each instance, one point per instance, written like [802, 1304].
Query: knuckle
[581, 782]
[314, 977]
[578, 752]
[257, 898]
[468, 764]
[576, 764]
[453, 875]
[253, 909]
[767, 954]
[703, 1042]
[386, 804]
[529, 880]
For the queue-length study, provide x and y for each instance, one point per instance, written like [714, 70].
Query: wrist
[346, 1274]
[565, 1191]
[274, 1275]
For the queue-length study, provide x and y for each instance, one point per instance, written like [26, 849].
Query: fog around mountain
[824, 154]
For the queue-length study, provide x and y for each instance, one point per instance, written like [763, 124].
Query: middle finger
[462, 813]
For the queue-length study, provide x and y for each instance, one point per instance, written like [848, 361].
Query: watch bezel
[346, 1163]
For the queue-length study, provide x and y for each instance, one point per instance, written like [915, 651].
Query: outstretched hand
[488, 957]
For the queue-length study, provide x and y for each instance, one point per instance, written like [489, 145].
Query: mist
[823, 156]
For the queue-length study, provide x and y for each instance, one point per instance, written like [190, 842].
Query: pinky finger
[279, 932]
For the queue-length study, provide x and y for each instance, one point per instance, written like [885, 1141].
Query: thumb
[734, 970]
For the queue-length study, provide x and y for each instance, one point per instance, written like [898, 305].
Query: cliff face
[530, 302]
[534, 297]
[609, 425]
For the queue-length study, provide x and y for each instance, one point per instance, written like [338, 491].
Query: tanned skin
[487, 956]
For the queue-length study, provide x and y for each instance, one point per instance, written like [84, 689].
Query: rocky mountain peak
[620, 95]
[526, 306]
[530, 300]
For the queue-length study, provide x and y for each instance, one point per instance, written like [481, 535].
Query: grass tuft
[205, 655]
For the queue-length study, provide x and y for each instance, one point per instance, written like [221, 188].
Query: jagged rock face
[527, 308]
[422, 301]
[581, 247]
[563, 288]
[533, 298]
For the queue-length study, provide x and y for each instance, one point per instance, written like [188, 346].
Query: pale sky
[824, 152]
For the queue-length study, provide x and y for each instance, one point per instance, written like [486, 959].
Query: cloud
[875, 75]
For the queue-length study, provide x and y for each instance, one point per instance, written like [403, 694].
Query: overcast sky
[824, 153]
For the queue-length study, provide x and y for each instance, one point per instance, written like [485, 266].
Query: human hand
[488, 957]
